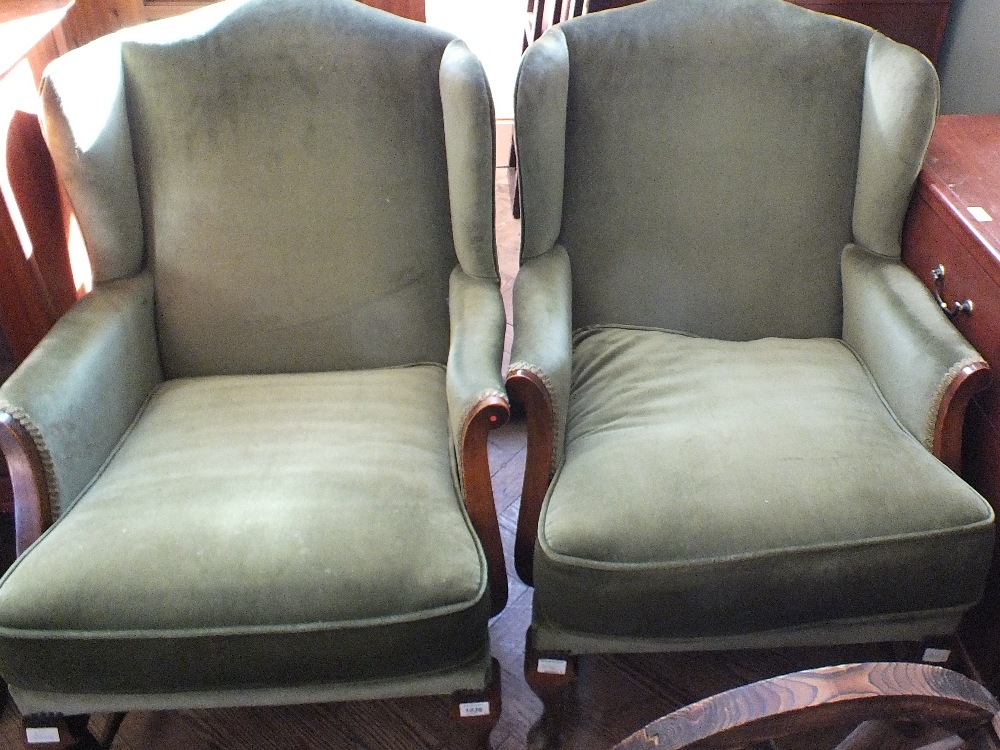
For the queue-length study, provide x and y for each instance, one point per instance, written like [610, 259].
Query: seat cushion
[280, 530]
[713, 488]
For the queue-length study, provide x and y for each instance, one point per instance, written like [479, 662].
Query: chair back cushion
[711, 160]
[290, 168]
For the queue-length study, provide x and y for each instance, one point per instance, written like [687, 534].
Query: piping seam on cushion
[882, 541]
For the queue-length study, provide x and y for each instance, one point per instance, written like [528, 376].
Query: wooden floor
[614, 695]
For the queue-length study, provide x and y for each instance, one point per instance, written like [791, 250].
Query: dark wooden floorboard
[614, 696]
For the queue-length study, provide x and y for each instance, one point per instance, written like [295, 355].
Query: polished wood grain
[949, 424]
[489, 414]
[413, 9]
[886, 699]
[962, 172]
[531, 396]
[32, 508]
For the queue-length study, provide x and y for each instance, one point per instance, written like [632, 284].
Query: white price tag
[552, 666]
[477, 708]
[41, 735]
[979, 213]
[936, 655]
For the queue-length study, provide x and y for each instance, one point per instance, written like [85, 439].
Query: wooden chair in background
[880, 706]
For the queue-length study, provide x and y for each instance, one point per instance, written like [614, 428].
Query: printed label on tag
[478, 708]
[936, 655]
[979, 213]
[41, 735]
[552, 666]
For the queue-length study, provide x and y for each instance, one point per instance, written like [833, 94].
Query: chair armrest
[538, 379]
[477, 403]
[72, 399]
[924, 367]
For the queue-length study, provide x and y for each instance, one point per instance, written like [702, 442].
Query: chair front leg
[57, 732]
[550, 675]
[477, 712]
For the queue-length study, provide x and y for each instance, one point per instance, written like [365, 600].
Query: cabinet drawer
[935, 238]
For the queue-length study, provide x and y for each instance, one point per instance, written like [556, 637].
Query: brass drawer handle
[955, 308]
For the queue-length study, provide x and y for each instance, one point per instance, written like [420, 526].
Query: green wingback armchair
[742, 407]
[250, 467]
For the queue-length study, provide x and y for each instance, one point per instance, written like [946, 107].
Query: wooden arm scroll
[881, 696]
[488, 414]
[947, 446]
[527, 390]
[32, 509]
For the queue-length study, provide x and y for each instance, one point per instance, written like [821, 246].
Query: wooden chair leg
[550, 675]
[53, 731]
[477, 712]
[57, 732]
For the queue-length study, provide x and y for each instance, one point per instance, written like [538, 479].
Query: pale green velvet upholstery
[714, 488]
[252, 427]
[712, 202]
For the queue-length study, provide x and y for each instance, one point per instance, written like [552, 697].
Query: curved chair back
[241, 164]
[689, 176]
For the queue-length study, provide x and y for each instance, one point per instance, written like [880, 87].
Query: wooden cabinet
[919, 23]
[954, 223]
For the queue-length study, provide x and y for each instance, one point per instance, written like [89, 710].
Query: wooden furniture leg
[478, 712]
[54, 732]
[551, 676]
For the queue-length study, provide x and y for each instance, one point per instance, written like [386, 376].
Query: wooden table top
[963, 168]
